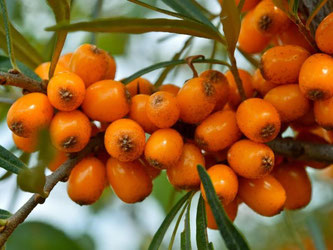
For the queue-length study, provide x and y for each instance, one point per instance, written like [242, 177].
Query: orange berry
[43, 70]
[266, 195]
[184, 174]
[282, 64]
[65, 60]
[151, 171]
[323, 113]
[248, 4]
[87, 181]
[296, 183]
[221, 85]
[140, 86]
[258, 120]
[138, 113]
[28, 145]
[224, 181]
[162, 109]
[218, 131]
[125, 140]
[231, 209]
[234, 97]
[70, 131]
[58, 159]
[129, 180]
[92, 64]
[66, 91]
[288, 101]
[171, 88]
[261, 84]
[316, 77]
[324, 34]
[29, 114]
[251, 159]
[164, 148]
[196, 99]
[106, 101]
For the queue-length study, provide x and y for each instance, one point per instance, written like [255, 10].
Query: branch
[61, 173]
[17, 79]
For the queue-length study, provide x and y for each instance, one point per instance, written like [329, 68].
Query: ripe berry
[261, 84]
[140, 86]
[324, 34]
[323, 113]
[59, 158]
[171, 88]
[43, 70]
[28, 145]
[65, 60]
[248, 4]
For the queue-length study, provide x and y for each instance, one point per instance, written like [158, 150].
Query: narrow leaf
[186, 234]
[10, 162]
[201, 236]
[240, 5]
[4, 215]
[316, 233]
[314, 13]
[159, 235]
[5, 176]
[232, 237]
[173, 236]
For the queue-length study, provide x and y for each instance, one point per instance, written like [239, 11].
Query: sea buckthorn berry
[171, 88]
[221, 85]
[106, 101]
[324, 35]
[266, 196]
[218, 131]
[316, 77]
[138, 113]
[125, 140]
[269, 19]
[258, 120]
[323, 113]
[65, 60]
[289, 101]
[151, 171]
[305, 122]
[248, 4]
[164, 148]
[261, 84]
[162, 109]
[28, 145]
[184, 174]
[251, 159]
[258, 41]
[282, 64]
[59, 158]
[92, 64]
[234, 97]
[196, 99]
[140, 86]
[225, 183]
[70, 131]
[129, 180]
[296, 183]
[231, 209]
[87, 181]
[213, 158]
[66, 91]
[29, 114]
[43, 70]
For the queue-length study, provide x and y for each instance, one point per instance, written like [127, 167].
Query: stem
[235, 73]
[305, 32]
[189, 60]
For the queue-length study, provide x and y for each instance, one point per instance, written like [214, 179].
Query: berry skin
[316, 77]
[258, 120]
[296, 182]
[125, 140]
[251, 159]
[138, 113]
[164, 148]
[29, 114]
[184, 174]
[140, 86]
[171, 88]
[196, 99]
[221, 85]
[324, 35]
[282, 64]
[70, 131]
[225, 183]
[151, 171]
[92, 64]
[58, 159]
[43, 70]
[261, 84]
[65, 60]
[266, 196]
[323, 113]
[28, 145]
[87, 181]
[129, 180]
[234, 97]
[218, 131]
[106, 101]
[288, 101]
[162, 109]
[66, 91]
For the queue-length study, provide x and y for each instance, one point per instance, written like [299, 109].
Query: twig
[61, 173]
[189, 60]
[235, 73]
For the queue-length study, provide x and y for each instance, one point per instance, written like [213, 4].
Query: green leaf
[173, 236]
[186, 234]
[240, 5]
[232, 237]
[10, 162]
[114, 43]
[316, 233]
[5, 176]
[32, 180]
[141, 25]
[159, 235]
[201, 226]
[46, 150]
[4, 215]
